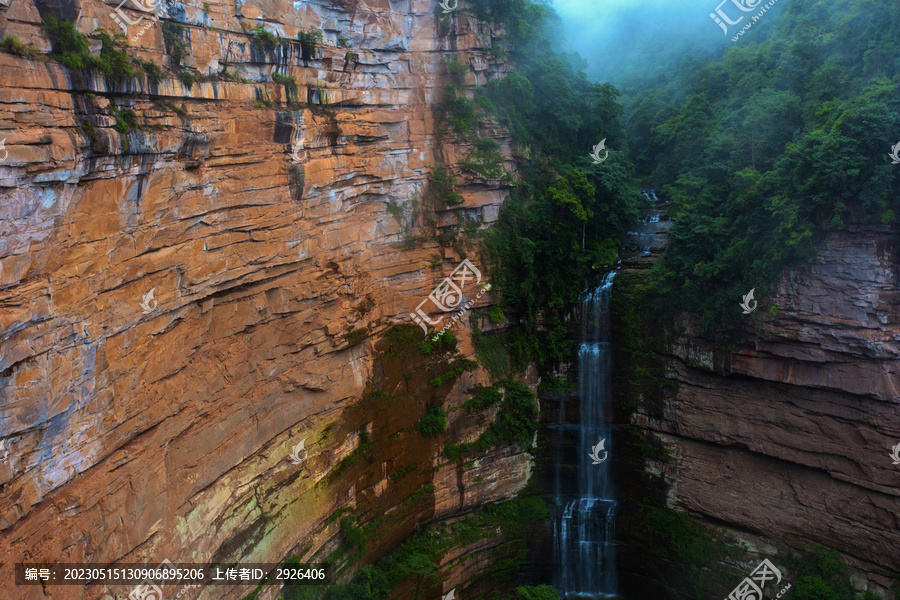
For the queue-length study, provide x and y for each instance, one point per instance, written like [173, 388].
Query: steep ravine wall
[785, 437]
[140, 435]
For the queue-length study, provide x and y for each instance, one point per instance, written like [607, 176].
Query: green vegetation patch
[414, 564]
[764, 150]
[434, 422]
[173, 39]
[11, 45]
[442, 185]
[485, 159]
[484, 397]
[457, 368]
[516, 423]
[309, 42]
[71, 49]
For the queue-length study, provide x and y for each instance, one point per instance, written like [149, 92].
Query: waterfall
[584, 526]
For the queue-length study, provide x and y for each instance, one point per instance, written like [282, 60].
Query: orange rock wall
[138, 429]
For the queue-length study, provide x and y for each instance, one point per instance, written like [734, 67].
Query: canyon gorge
[210, 345]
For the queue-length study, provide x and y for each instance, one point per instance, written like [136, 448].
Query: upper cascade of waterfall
[595, 311]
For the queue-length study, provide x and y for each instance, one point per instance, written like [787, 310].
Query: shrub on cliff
[484, 397]
[442, 185]
[173, 39]
[267, 39]
[113, 61]
[70, 46]
[516, 421]
[432, 423]
[11, 45]
[309, 42]
[812, 588]
[71, 49]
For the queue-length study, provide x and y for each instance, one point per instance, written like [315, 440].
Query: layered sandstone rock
[139, 427]
[787, 437]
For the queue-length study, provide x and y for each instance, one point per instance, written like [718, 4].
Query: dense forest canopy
[766, 148]
[762, 146]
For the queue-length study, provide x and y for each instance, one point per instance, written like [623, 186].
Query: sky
[618, 36]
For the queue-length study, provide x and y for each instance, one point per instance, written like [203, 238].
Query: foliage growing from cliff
[566, 215]
[485, 159]
[265, 38]
[517, 420]
[768, 148]
[416, 559]
[12, 45]
[364, 444]
[290, 86]
[457, 368]
[152, 70]
[173, 39]
[443, 187]
[113, 61]
[640, 339]
[687, 558]
[309, 42]
[126, 120]
[420, 493]
[516, 423]
[71, 49]
[820, 575]
[401, 473]
[434, 422]
[523, 20]
[455, 109]
[484, 397]
[444, 343]
[491, 350]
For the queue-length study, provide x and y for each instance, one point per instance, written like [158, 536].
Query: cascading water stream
[584, 526]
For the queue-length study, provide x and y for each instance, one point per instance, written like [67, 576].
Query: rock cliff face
[281, 232]
[786, 437]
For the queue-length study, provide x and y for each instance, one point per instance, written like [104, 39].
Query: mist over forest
[626, 41]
